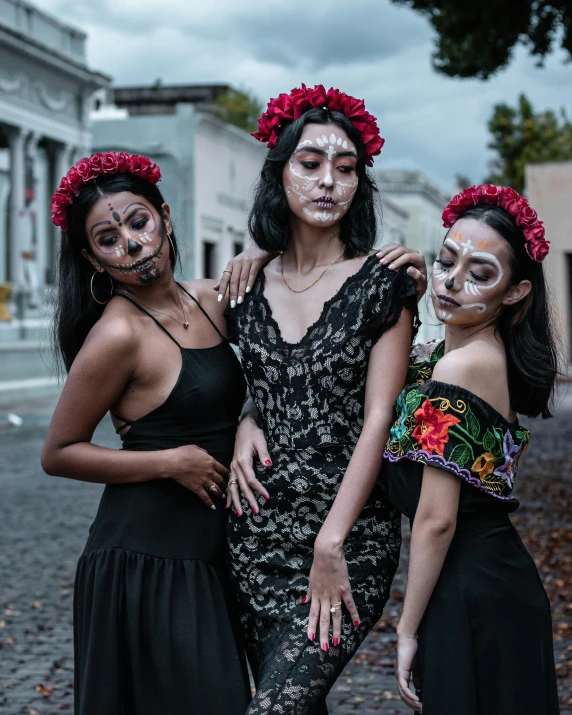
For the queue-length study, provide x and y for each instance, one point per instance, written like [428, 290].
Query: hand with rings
[240, 273]
[249, 445]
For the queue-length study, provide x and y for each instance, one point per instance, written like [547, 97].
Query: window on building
[209, 259]
[237, 247]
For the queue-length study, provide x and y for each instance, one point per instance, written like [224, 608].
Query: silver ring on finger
[232, 481]
[336, 607]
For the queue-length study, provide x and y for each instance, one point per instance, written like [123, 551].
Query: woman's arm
[101, 372]
[433, 529]
[329, 582]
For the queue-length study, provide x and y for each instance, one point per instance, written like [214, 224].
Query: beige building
[423, 203]
[549, 190]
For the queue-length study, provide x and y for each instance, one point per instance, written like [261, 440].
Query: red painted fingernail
[238, 513]
[304, 600]
[267, 498]
[325, 647]
[356, 623]
[336, 642]
[255, 511]
[311, 636]
[267, 462]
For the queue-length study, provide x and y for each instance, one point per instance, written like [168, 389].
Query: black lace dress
[485, 641]
[310, 396]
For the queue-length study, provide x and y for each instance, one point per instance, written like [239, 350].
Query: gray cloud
[369, 48]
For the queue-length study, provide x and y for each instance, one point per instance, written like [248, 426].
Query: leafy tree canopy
[522, 136]
[238, 107]
[476, 38]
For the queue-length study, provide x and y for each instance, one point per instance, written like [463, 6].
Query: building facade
[549, 188]
[423, 201]
[209, 167]
[46, 94]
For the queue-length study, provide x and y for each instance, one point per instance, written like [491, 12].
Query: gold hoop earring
[102, 302]
[173, 248]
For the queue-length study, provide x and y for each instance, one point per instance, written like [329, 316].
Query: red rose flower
[534, 232]
[109, 163]
[432, 431]
[75, 180]
[538, 250]
[527, 216]
[123, 162]
[85, 170]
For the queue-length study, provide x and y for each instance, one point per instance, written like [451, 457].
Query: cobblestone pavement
[43, 527]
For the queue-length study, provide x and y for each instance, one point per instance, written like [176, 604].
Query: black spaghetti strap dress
[485, 640]
[156, 628]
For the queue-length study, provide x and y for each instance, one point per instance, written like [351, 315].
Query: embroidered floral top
[450, 428]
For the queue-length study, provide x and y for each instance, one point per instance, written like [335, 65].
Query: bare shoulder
[203, 290]
[478, 367]
[116, 333]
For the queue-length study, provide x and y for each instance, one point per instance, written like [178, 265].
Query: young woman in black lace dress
[324, 339]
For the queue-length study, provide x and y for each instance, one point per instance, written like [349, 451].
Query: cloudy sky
[369, 48]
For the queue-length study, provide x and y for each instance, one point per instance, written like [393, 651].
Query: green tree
[522, 136]
[238, 107]
[476, 38]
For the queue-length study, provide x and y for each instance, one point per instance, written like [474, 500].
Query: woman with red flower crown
[475, 627]
[156, 629]
[324, 339]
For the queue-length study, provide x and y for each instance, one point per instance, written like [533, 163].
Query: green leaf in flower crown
[461, 454]
[489, 441]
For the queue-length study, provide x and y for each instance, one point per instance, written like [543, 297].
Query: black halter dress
[156, 631]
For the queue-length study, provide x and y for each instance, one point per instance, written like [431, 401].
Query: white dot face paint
[320, 177]
[127, 237]
[473, 263]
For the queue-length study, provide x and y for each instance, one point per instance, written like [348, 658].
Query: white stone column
[17, 142]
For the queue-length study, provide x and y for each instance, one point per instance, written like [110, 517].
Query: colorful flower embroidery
[484, 465]
[511, 454]
[432, 431]
[449, 428]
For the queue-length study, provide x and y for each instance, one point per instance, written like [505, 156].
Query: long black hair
[75, 310]
[269, 223]
[526, 327]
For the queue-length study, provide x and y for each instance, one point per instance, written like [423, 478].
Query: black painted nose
[133, 247]
[449, 283]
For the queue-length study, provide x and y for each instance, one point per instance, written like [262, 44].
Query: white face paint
[472, 263]
[320, 177]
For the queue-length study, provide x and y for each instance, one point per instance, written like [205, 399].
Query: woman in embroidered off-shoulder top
[476, 619]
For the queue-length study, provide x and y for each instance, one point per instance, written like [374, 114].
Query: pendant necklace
[311, 284]
[156, 310]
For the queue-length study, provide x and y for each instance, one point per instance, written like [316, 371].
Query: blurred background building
[549, 189]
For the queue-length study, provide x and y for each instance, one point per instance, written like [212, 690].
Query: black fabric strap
[160, 325]
[203, 311]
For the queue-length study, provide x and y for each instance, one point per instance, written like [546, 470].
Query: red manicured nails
[311, 636]
[356, 623]
[267, 462]
[325, 647]
[238, 513]
[304, 600]
[336, 642]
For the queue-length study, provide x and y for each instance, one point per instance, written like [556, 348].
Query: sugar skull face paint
[470, 277]
[127, 238]
[320, 178]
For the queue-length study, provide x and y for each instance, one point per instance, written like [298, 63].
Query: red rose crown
[288, 107]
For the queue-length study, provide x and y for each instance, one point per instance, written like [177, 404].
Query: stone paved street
[43, 526]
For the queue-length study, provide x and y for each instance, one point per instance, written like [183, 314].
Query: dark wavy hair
[75, 310]
[269, 219]
[526, 327]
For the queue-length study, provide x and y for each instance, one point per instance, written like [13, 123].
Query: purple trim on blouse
[420, 455]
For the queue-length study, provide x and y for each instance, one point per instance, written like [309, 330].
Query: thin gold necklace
[156, 310]
[311, 284]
